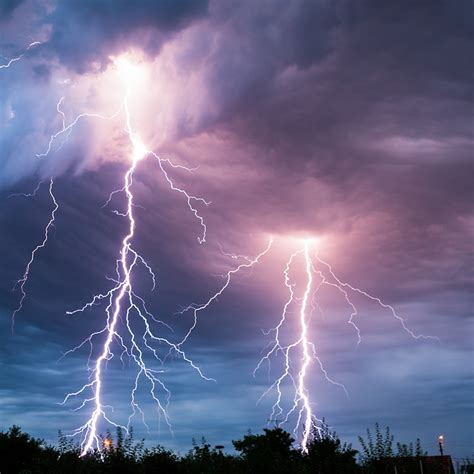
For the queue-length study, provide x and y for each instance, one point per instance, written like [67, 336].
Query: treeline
[272, 452]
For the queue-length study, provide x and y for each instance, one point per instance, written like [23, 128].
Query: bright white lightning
[301, 401]
[301, 353]
[305, 410]
[124, 304]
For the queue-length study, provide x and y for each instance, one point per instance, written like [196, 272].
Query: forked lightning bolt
[299, 355]
[124, 307]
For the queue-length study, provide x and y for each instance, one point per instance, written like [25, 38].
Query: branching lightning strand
[24, 279]
[10, 62]
[301, 404]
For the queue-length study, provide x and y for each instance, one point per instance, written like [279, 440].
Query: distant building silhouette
[415, 465]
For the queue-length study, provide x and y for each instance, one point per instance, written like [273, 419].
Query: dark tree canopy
[271, 452]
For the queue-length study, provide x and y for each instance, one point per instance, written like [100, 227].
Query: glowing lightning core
[306, 357]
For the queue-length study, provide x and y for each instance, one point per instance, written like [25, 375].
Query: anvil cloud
[350, 121]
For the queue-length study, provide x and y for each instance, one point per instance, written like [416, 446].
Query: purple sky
[350, 122]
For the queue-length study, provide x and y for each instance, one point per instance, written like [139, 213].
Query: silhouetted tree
[382, 448]
[271, 452]
[121, 455]
[203, 459]
[407, 450]
[375, 453]
[327, 455]
[159, 459]
[21, 453]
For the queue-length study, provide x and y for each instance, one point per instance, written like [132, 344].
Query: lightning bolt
[20, 56]
[24, 279]
[125, 308]
[342, 287]
[196, 308]
[302, 394]
[21, 283]
[301, 401]
[301, 352]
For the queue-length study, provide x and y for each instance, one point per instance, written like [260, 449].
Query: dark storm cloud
[7, 7]
[88, 31]
[372, 84]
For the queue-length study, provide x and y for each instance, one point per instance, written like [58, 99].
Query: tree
[159, 459]
[327, 455]
[382, 447]
[375, 455]
[271, 452]
[203, 459]
[122, 454]
[406, 450]
[21, 453]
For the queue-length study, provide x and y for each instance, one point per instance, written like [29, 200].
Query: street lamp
[441, 444]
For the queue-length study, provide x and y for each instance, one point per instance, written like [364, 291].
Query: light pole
[441, 444]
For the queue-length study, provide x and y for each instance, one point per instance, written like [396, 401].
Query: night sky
[348, 122]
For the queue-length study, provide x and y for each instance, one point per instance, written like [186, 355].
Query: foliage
[21, 453]
[271, 452]
[406, 450]
[375, 454]
[203, 459]
[327, 454]
[382, 448]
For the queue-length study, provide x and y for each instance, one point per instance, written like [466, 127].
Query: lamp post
[441, 444]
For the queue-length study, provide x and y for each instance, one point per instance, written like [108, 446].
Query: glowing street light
[107, 443]
[441, 444]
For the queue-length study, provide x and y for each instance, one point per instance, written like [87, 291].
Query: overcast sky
[347, 122]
